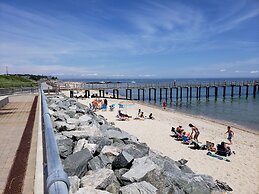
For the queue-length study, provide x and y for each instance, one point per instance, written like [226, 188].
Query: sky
[130, 38]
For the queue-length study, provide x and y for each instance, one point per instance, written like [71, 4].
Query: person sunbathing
[124, 115]
[186, 138]
[180, 129]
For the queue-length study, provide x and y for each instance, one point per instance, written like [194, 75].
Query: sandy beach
[241, 173]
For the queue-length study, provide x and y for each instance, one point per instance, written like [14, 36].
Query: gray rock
[116, 134]
[99, 179]
[60, 116]
[84, 118]
[79, 145]
[71, 113]
[111, 150]
[63, 126]
[91, 190]
[118, 173]
[91, 147]
[59, 136]
[140, 167]
[72, 121]
[82, 134]
[72, 108]
[123, 160]
[101, 142]
[76, 164]
[138, 188]
[65, 147]
[100, 161]
[137, 150]
[74, 184]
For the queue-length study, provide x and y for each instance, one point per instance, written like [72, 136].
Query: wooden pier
[165, 90]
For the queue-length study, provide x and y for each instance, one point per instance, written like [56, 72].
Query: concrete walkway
[13, 123]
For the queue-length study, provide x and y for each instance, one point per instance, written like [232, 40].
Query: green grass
[14, 81]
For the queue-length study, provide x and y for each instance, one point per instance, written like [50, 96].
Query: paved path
[13, 122]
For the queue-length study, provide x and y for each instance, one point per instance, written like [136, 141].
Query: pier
[165, 91]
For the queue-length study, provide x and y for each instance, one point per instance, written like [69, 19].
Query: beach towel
[218, 157]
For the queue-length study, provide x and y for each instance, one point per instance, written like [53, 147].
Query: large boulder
[79, 145]
[65, 147]
[111, 150]
[74, 184]
[82, 134]
[72, 121]
[138, 188]
[91, 190]
[98, 179]
[137, 150]
[100, 161]
[63, 126]
[123, 160]
[140, 167]
[76, 164]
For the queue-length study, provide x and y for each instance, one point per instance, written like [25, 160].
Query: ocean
[234, 111]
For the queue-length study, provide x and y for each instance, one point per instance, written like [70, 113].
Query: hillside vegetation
[10, 81]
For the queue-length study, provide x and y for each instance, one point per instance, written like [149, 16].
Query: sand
[241, 173]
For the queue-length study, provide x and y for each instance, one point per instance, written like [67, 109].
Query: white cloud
[237, 71]
[222, 70]
[254, 71]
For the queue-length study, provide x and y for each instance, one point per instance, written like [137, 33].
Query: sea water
[243, 110]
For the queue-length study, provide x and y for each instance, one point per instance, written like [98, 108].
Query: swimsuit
[230, 136]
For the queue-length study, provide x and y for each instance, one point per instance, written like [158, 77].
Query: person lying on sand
[123, 115]
[186, 138]
[180, 129]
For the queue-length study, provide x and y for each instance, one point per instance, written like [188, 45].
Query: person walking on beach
[230, 135]
[164, 105]
[196, 132]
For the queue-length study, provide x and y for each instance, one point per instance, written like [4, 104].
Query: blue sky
[130, 39]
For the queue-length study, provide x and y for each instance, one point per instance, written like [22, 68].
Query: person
[139, 112]
[186, 138]
[105, 102]
[151, 116]
[230, 134]
[164, 105]
[180, 129]
[141, 115]
[223, 149]
[196, 132]
[123, 115]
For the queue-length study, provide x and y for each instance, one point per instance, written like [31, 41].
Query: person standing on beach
[196, 132]
[106, 102]
[230, 135]
[164, 105]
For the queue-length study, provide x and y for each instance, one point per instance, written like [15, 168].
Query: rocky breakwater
[100, 158]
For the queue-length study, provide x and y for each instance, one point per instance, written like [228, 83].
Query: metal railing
[57, 181]
[21, 90]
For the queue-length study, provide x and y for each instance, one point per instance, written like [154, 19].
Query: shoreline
[218, 121]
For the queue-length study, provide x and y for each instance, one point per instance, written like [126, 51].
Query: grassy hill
[9, 81]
